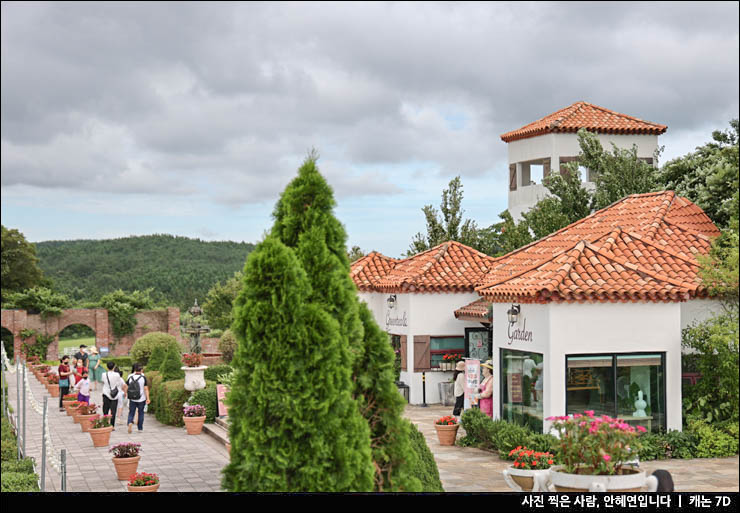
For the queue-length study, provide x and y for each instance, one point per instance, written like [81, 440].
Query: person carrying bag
[112, 387]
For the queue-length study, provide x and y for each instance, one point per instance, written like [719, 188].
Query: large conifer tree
[294, 424]
[304, 220]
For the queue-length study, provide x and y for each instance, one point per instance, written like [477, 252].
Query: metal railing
[48, 451]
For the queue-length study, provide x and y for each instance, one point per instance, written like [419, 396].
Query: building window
[440, 346]
[613, 384]
[522, 388]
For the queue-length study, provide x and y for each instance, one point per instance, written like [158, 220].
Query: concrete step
[218, 432]
[223, 422]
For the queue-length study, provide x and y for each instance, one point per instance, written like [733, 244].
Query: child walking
[83, 388]
[459, 378]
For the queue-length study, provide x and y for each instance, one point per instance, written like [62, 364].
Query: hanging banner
[221, 391]
[472, 380]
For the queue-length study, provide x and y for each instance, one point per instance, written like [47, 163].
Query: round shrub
[208, 398]
[143, 347]
[711, 442]
[214, 371]
[227, 346]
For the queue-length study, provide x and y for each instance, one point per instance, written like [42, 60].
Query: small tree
[171, 368]
[219, 302]
[156, 358]
[294, 425]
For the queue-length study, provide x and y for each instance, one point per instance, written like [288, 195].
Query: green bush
[681, 444]
[480, 429]
[25, 466]
[207, 397]
[156, 358]
[123, 362]
[171, 367]
[154, 379]
[654, 447]
[542, 442]
[510, 437]
[8, 450]
[143, 347]
[19, 482]
[227, 346]
[171, 395]
[425, 468]
[214, 371]
[711, 442]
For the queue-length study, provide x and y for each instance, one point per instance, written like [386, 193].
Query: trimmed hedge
[207, 397]
[712, 442]
[25, 465]
[156, 358]
[171, 368]
[426, 468]
[168, 398]
[8, 451]
[227, 346]
[214, 371]
[19, 482]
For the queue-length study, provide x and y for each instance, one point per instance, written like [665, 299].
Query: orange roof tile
[368, 270]
[642, 247]
[448, 267]
[585, 115]
[475, 311]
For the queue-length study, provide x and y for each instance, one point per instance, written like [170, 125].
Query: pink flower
[641, 429]
[607, 457]
[590, 413]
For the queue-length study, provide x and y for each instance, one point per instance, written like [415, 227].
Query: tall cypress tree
[294, 424]
[304, 220]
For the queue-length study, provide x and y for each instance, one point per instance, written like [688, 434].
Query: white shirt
[116, 381]
[528, 366]
[84, 387]
[460, 385]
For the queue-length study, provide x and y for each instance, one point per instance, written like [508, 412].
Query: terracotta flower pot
[76, 415]
[527, 480]
[447, 434]
[150, 488]
[65, 405]
[631, 480]
[194, 425]
[54, 390]
[125, 467]
[101, 436]
[71, 411]
[85, 420]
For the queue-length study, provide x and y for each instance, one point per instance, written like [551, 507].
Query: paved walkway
[184, 463]
[465, 469]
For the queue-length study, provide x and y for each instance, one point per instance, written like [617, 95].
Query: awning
[478, 311]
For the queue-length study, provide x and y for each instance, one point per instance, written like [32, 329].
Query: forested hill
[179, 269]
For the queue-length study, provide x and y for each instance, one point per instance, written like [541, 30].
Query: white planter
[527, 480]
[619, 483]
[194, 378]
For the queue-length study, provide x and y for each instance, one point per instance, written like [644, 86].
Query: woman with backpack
[112, 392]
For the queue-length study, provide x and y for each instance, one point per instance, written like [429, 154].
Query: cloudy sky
[190, 118]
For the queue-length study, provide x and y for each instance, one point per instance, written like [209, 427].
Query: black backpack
[134, 393]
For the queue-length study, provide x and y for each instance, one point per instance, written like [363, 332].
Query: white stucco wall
[699, 310]
[425, 314]
[560, 329]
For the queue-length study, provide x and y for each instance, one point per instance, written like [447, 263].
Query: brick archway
[15, 321]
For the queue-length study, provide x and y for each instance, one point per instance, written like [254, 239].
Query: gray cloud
[225, 98]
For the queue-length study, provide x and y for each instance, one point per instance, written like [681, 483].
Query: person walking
[96, 368]
[112, 392]
[136, 389]
[459, 379]
[64, 376]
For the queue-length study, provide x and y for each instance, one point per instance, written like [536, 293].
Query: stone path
[465, 469]
[184, 463]
[193, 463]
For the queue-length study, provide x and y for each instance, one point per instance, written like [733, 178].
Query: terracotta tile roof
[368, 270]
[475, 311]
[585, 115]
[448, 267]
[642, 247]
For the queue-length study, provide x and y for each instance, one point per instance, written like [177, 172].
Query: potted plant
[100, 430]
[447, 364]
[67, 400]
[194, 416]
[593, 451]
[194, 378]
[529, 472]
[72, 409]
[126, 459]
[143, 482]
[446, 428]
[53, 385]
[85, 414]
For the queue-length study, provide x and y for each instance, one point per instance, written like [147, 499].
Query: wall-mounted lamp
[513, 314]
[391, 301]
